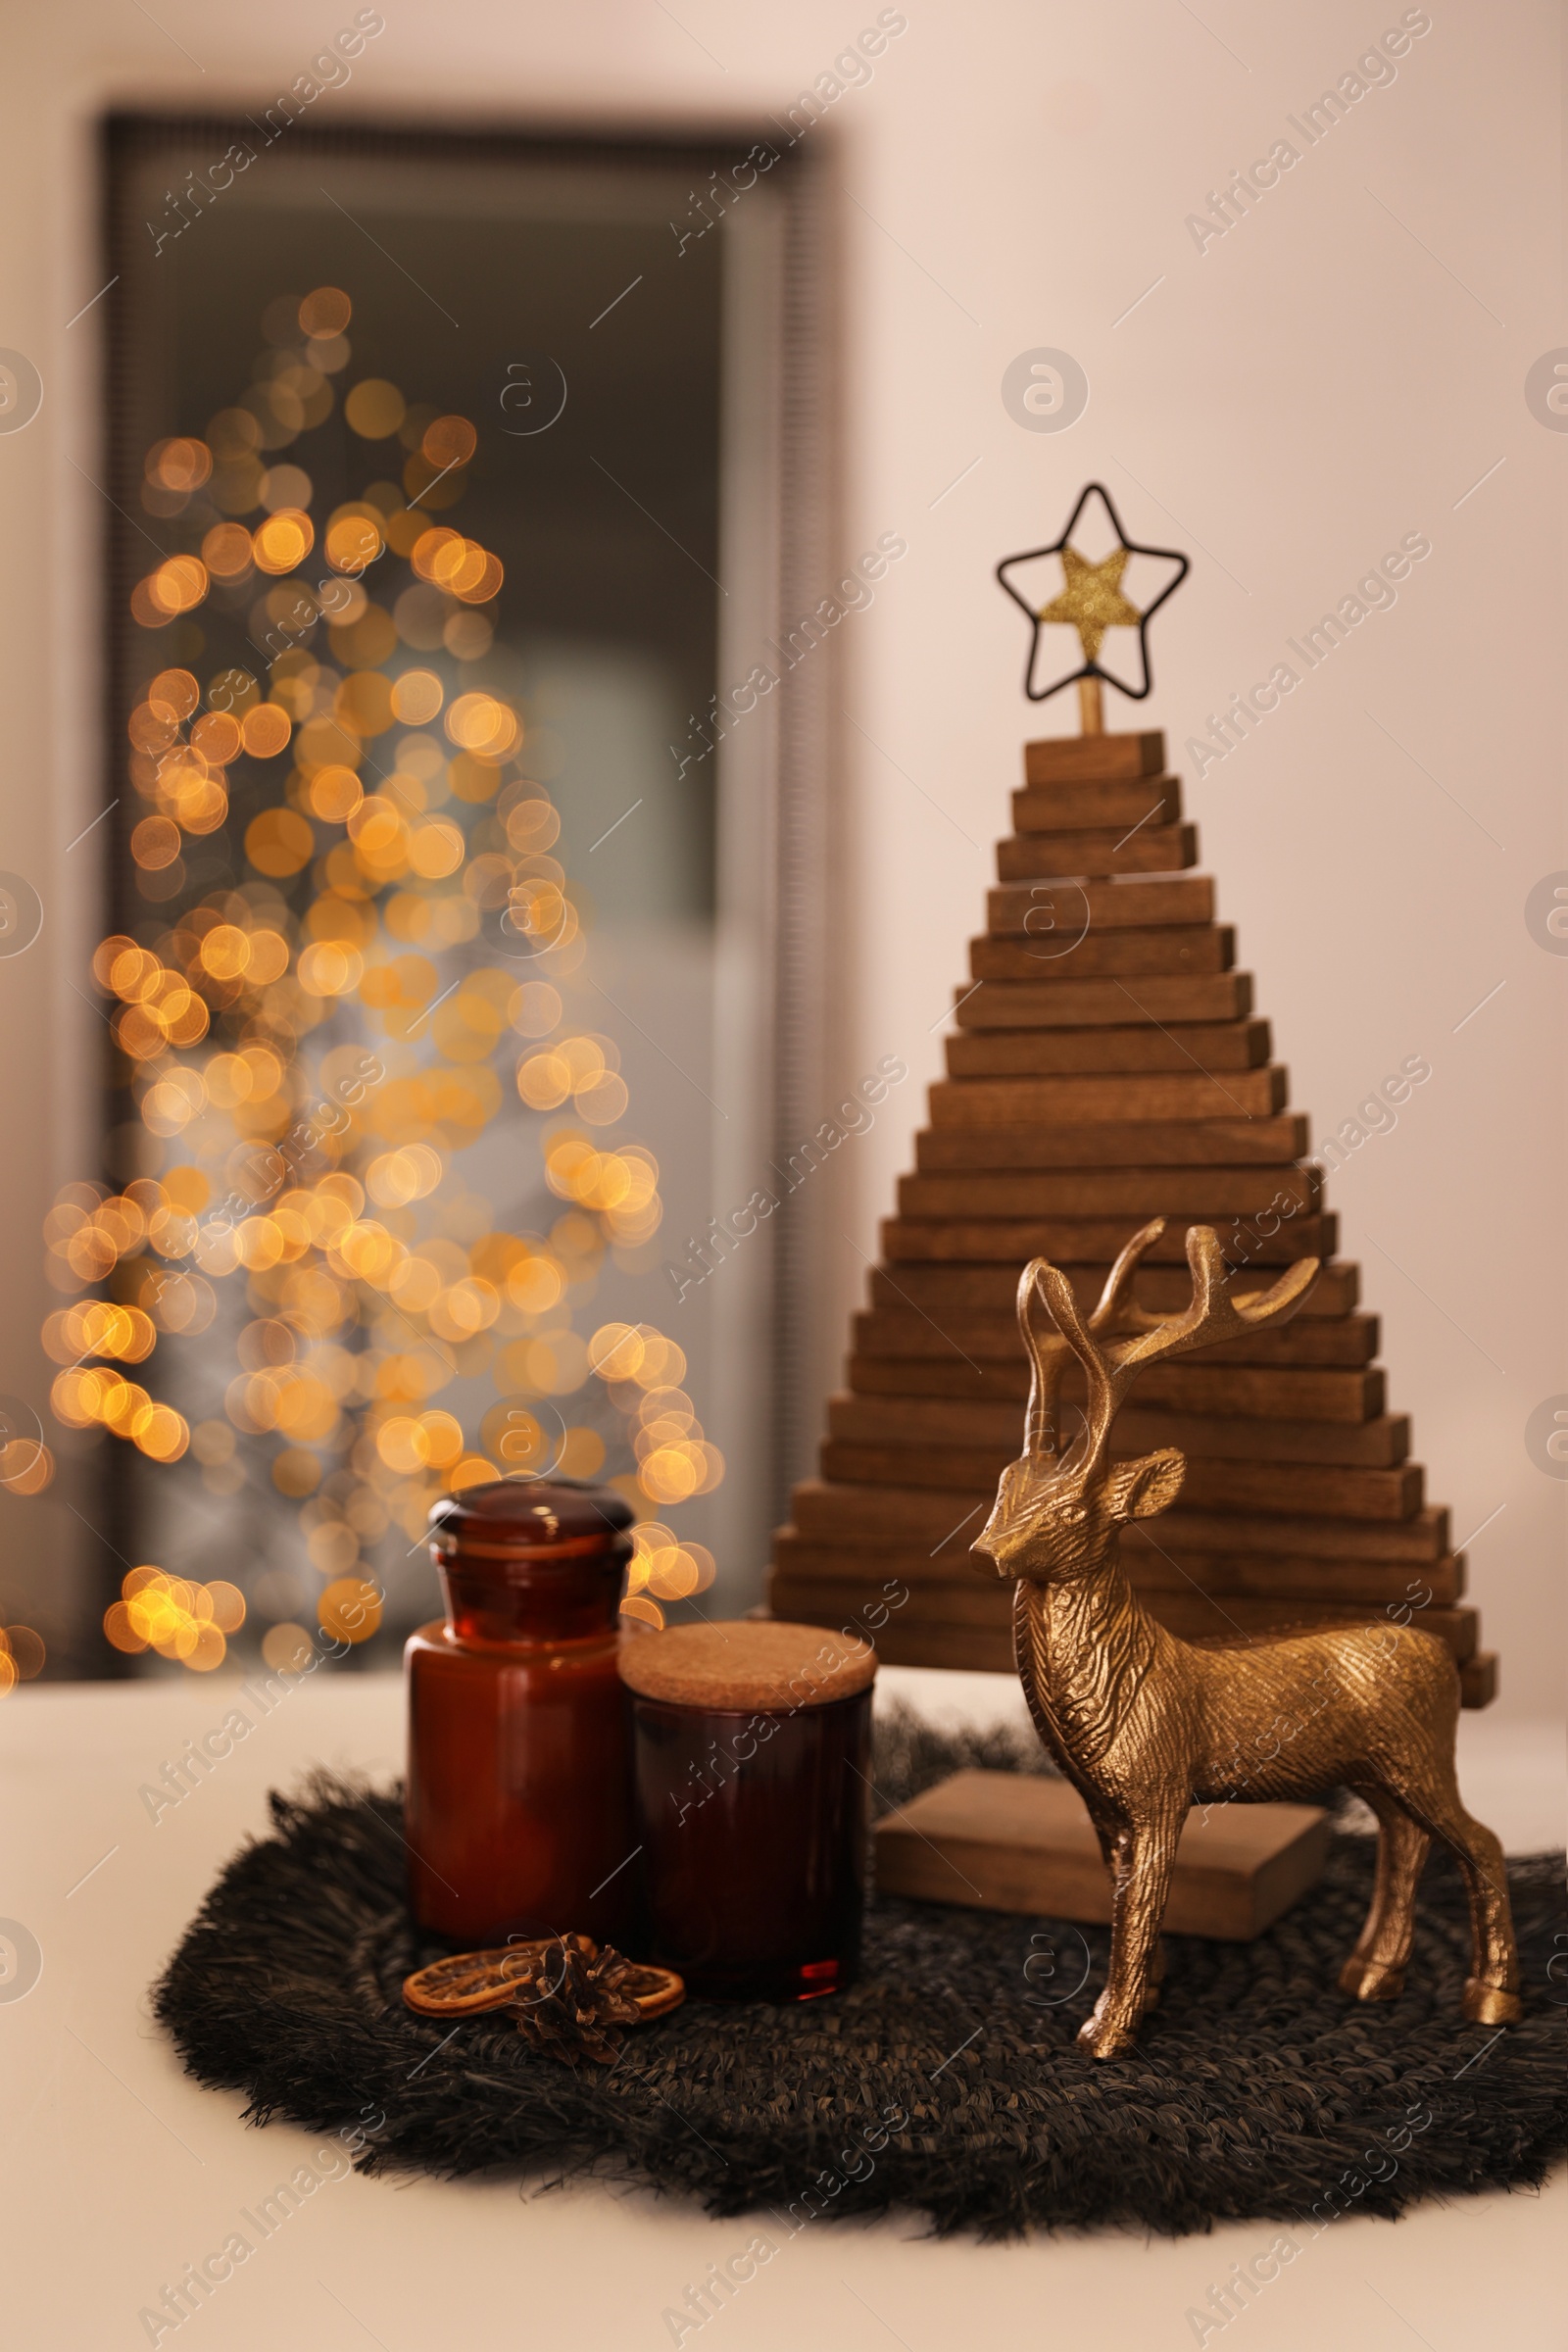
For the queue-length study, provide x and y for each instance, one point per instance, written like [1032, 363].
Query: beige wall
[1335, 372]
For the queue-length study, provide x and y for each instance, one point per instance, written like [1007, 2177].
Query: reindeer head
[1059, 1508]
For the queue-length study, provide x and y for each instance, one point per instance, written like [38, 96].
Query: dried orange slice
[471, 1981]
[656, 1990]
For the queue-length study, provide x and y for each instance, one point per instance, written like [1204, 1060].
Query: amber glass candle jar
[752, 1748]
[518, 1803]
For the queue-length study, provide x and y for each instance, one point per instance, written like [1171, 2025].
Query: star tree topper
[1091, 601]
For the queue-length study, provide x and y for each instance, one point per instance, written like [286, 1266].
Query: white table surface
[118, 2170]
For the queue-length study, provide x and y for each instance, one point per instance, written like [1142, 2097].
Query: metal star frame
[1092, 601]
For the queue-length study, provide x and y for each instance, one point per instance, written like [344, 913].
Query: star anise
[571, 2001]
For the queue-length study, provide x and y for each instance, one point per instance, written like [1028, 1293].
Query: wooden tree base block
[1016, 1841]
[1149, 1147]
[989, 1288]
[1076, 807]
[1079, 955]
[1029, 1002]
[1093, 759]
[1051, 913]
[1097, 851]
[1149, 1047]
[1021, 1101]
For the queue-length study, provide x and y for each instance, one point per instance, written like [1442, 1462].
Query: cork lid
[747, 1663]
[537, 1514]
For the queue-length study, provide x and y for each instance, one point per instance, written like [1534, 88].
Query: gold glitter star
[1092, 602]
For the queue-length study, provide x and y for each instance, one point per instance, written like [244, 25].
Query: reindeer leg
[1492, 1991]
[1106, 1834]
[1145, 1855]
[1375, 1970]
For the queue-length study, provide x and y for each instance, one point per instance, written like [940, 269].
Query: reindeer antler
[1048, 1351]
[1047, 1361]
[1111, 1364]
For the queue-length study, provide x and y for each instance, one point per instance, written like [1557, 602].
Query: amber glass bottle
[519, 1804]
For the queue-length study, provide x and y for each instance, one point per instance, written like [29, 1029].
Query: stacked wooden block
[1107, 1067]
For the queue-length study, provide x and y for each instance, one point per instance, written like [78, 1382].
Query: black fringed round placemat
[946, 2080]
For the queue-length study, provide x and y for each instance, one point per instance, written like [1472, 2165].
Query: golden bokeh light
[544, 1080]
[226, 551]
[225, 951]
[459, 567]
[283, 541]
[533, 824]
[229, 1606]
[268, 959]
[285, 486]
[218, 737]
[449, 441]
[603, 1099]
[374, 408]
[265, 730]
[478, 582]
[525, 1444]
[582, 1454]
[535, 1009]
[176, 690]
[287, 1648]
[279, 841]
[179, 464]
[26, 1650]
[349, 1609]
[252, 1076]
[431, 548]
[481, 725]
[363, 705]
[233, 433]
[173, 1100]
[380, 837]
[176, 586]
[474, 1470]
[540, 912]
[666, 1567]
[335, 793]
[296, 1472]
[325, 312]
[468, 1307]
[616, 1351]
[416, 697]
[154, 842]
[398, 1177]
[352, 540]
[26, 1466]
[152, 726]
[436, 849]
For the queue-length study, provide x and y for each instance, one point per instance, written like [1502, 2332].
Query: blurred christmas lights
[324, 1194]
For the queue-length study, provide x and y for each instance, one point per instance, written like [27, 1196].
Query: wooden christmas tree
[1108, 1066]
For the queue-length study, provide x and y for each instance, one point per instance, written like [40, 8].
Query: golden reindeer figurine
[1144, 1723]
